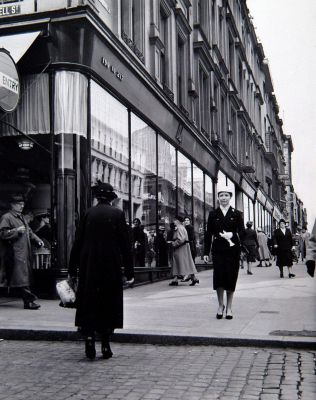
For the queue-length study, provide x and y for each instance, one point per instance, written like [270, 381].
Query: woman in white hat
[225, 230]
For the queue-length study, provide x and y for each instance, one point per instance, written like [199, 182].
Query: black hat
[104, 191]
[282, 220]
[16, 198]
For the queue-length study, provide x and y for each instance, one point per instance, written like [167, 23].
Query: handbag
[66, 294]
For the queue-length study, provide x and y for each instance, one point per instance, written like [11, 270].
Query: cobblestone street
[59, 370]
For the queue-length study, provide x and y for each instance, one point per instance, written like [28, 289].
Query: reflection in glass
[71, 149]
[109, 144]
[209, 203]
[166, 182]
[144, 196]
[184, 186]
[246, 208]
[251, 215]
[198, 218]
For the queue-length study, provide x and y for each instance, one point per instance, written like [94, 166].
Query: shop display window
[184, 186]
[25, 163]
[109, 144]
[198, 209]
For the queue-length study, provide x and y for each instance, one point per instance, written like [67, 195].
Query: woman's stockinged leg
[220, 299]
[229, 296]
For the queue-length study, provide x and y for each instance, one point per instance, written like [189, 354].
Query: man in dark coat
[225, 230]
[100, 250]
[16, 262]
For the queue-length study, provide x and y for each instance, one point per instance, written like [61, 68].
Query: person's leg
[249, 268]
[220, 299]
[28, 298]
[194, 280]
[105, 343]
[229, 296]
[174, 281]
[89, 343]
[291, 275]
[281, 272]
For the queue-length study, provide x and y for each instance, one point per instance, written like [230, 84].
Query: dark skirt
[253, 254]
[284, 258]
[226, 268]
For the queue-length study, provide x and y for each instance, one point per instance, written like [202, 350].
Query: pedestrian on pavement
[225, 229]
[303, 242]
[139, 243]
[311, 252]
[182, 259]
[161, 247]
[17, 260]
[100, 250]
[250, 241]
[283, 245]
[192, 243]
[264, 252]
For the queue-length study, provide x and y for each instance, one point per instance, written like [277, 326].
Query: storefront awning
[18, 44]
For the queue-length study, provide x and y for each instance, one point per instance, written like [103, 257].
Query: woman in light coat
[182, 258]
[264, 252]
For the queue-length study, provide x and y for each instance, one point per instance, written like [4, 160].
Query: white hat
[225, 189]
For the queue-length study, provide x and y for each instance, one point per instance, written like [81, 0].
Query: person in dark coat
[192, 243]
[16, 263]
[101, 248]
[283, 245]
[161, 247]
[250, 241]
[225, 230]
[139, 243]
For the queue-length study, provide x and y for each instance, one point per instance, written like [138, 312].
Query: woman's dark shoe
[106, 350]
[30, 305]
[173, 283]
[220, 316]
[259, 265]
[249, 273]
[194, 281]
[291, 275]
[90, 348]
[229, 316]
[281, 275]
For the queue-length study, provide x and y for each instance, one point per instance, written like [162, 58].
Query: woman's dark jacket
[284, 249]
[225, 258]
[250, 241]
[100, 250]
[192, 240]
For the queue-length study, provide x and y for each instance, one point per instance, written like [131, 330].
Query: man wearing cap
[225, 230]
[101, 248]
[17, 264]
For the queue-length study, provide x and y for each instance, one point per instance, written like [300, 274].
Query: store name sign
[111, 68]
[9, 83]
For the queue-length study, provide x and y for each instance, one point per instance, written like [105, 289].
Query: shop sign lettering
[9, 10]
[9, 83]
[111, 68]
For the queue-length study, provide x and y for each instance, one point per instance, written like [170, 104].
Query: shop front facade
[85, 117]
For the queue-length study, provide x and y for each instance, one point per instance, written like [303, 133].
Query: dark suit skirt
[226, 268]
[284, 258]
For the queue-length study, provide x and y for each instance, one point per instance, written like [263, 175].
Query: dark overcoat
[284, 249]
[192, 240]
[16, 251]
[225, 257]
[101, 248]
[250, 241]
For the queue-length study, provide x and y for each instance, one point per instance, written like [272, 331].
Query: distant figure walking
[100, 250]
[303, 243]
[283, 245]
[225, 229]
[250, 241]
[182, 259]
[264, 252]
